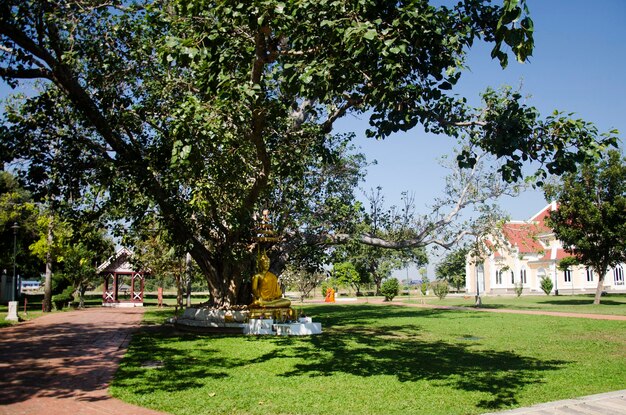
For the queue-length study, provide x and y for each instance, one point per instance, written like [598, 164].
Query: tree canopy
[206, 112]
[591, 216]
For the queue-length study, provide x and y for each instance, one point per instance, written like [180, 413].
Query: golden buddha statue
[265, 287]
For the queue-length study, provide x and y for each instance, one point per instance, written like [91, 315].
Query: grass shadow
[351, 345]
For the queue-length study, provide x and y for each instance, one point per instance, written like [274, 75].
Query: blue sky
[578, 65]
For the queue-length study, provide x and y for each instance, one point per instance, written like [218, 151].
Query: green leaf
[370, 34]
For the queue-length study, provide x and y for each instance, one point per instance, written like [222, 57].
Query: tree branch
[25, 73]
[23, 41]
[327, 126]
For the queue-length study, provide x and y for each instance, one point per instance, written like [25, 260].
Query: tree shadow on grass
[401, 351]
[358, 340]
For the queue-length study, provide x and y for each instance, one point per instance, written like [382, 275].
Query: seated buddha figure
[265, 288]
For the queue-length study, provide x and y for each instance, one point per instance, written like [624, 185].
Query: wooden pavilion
[123, 284]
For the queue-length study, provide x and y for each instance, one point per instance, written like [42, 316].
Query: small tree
[390, 289]
[452, 268]
[302, 280]
[546, 284]
[425, 282]
[346, 274]
[591, 215]
[519, 288]
[441, 288]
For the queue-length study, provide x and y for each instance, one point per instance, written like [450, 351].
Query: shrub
[546, 285]
[519, 288]
[390, 289]
[60, 300]
[440, 288]
[424, 286]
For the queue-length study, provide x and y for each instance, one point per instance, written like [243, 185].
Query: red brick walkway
[64, 362]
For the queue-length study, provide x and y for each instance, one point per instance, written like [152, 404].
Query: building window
[499, 276]
[567, 275]
[618, 275]
[522, 276]
[589, 275]
[512, 278]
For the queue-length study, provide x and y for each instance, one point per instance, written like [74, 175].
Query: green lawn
[374, 359]
[610, 304]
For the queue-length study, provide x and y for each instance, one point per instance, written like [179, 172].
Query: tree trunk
[47, 296]
[81, 295]
[224, 274]
[188, 278]
[179, 291]
[377, 279]
[601, 274]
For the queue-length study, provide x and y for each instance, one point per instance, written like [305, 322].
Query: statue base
[304, 327]
[254, 321]
[281, 314]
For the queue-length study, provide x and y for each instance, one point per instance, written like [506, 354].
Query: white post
[12, 314]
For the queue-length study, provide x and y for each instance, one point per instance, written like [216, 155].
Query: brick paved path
[63, 362]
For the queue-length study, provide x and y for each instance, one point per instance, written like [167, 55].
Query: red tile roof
[558, 254]
[540, 217]
[523, 236]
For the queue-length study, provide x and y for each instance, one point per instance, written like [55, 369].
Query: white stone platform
[209, 319]
[304, 327]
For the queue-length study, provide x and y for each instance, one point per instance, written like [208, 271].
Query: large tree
[591, 216]
[207, 112]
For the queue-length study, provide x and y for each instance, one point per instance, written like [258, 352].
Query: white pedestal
[12, 314]
[259, 326]
[298, 329]
[267, 326]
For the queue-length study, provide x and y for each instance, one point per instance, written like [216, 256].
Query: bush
[66, 297]
[424, 286]
[440, 288]
[390, 289]
[519, 288]
[546, 285]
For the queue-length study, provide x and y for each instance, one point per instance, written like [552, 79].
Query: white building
[528, 252]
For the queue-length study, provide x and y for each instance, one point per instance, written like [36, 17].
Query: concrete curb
[609, 403]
